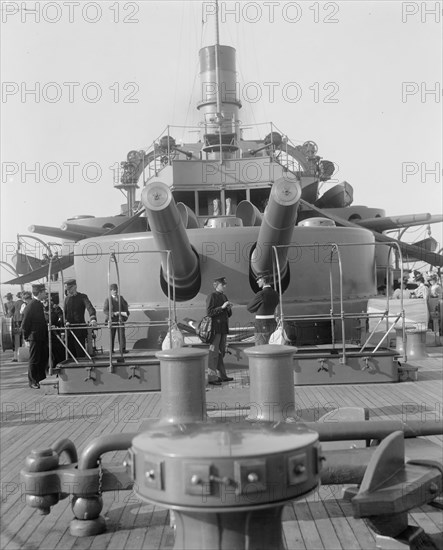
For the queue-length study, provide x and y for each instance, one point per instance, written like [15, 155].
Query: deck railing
[170, 322]
[164, 156]
[341, 316]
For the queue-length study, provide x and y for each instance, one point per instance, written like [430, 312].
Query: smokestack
[218, 84]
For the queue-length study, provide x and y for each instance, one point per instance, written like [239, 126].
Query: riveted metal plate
[297, 468]
[153, 475]
[197, 480]
[250, 476]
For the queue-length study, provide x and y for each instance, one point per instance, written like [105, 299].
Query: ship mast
[219, 104]
[219, 115]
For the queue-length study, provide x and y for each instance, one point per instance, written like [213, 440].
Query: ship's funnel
[170, 234]
[249, 214]
[219, 104]
[277, 226]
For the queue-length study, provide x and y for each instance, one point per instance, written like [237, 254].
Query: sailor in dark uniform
[35, 330]
[117, 314]
[57, 321]
[219, 308]
[263, 305]
[9, 306]
[76, 304]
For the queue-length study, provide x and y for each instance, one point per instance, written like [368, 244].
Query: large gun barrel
[58, 233]
[170, 234]
[409, 251]
[387, 223]
[90, 231]
[278, 225]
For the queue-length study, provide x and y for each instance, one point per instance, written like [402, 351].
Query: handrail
[56, 258]
[172, 311]
[342, 312]
[155, 164]
[332, 316]
[113, 259]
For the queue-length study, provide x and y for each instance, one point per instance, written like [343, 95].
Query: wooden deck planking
[319, 521]
[361, 531]
[34, 519]
[291, 529]
[342, 528]
[47, 429]
[429, 518]
[324, 525]
[138, 533]
[308, 528]
[93, 430]
[292, 535]
[49, 532]
[80, 434]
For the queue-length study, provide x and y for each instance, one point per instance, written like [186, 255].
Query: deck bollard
[400, 345]
[183, 392]
[272, 383]
[227, 482]
[415, 342]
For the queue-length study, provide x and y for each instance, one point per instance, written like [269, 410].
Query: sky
[83, 83]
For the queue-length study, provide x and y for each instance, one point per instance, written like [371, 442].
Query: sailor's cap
[221, 280]
[70, 282]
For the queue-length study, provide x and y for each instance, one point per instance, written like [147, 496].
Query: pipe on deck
[104, 444]
[372, 429]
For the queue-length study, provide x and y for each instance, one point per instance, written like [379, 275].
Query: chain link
[100, 476]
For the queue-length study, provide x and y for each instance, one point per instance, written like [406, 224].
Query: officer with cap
[219, 308]
[116, 312]
[76, 304]
[35, 330]
[263, 305]
[8, 306]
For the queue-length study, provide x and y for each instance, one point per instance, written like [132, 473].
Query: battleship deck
[32, 420]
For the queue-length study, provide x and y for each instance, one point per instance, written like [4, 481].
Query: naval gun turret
[277, 226]
[169, 233]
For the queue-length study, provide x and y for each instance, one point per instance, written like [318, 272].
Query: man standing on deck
[219, 308]
[35, 329]
[76, 304]
[17, 318]
[263, 305]
[116, 312]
